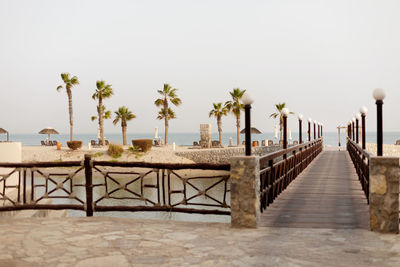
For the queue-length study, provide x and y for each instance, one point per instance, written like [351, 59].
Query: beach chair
[156, 143]
[195, 143]
[107, 143]
[270, 142]
[43, 143]
[54, 142]
[93, 143]
[398, 142]
[215, 143]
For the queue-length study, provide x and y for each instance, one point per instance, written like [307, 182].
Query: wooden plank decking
[326, 195]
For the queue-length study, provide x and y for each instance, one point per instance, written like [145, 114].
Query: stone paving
[105, 241]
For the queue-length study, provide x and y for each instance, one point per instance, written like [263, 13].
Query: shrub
[74, 145]
[115, 150]
[143, 144]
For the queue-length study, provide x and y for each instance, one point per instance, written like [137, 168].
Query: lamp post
[379, 94]
[353, 128]
[300, 128]
[363, 111]
[285, 113]
[349, 130]
[315, 122]
[309, 129]
[358, 118]
[322, 125]
[247, 101]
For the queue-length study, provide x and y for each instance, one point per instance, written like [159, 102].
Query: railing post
[384, 194]
[88, 185]
[245, 191]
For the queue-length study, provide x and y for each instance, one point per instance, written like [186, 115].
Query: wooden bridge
[327, 194]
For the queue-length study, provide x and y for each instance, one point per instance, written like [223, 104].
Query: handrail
[360, 159]
[279, 153]
[276, 176]
[170, 190]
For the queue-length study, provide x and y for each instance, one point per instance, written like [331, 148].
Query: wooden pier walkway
[325, 195]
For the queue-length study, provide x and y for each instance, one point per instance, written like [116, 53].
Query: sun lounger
[195, 143]
[270, 142]
[93, 143]
[398, 142]
[43, 143]
[215, 143]
[54, 142]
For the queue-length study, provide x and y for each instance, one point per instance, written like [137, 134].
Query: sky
[323, 58]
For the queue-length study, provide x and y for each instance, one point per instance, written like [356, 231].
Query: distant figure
[398, 142]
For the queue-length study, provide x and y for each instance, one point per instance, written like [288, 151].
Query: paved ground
[327, 194]
[103, 241]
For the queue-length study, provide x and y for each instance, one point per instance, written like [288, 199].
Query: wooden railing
[279, 169]
[360, 159]
[118, 186]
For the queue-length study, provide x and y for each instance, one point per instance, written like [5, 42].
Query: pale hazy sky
[323, 58]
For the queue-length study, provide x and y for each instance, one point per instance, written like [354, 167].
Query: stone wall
[222, 155]
[384, 194]
[245, 195]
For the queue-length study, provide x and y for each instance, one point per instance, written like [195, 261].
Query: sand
[388, 150]
[155, 155]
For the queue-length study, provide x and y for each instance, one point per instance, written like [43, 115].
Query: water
[186, 139]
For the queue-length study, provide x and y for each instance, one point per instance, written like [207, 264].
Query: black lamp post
[314, 130]
[358, 118]
[322, 125]
[300, 128]
[285, 113]
[363, 112]
[309, 129]
[379, 94]
[353, 128]
[247, 101]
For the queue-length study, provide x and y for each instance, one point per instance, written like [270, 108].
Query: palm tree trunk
[71, 119]
[101, 123]
[219, 130]
[124, 135]
[166, 120]
[238, 129]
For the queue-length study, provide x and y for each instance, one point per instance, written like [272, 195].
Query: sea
[186, 139]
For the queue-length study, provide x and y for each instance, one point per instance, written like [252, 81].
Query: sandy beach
[155, 155]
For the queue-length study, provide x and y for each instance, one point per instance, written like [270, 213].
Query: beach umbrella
[252, 130]
[48, 131]
[2, 131]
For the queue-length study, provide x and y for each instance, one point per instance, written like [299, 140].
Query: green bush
[115, 150]
[143, 144]
[74, 145]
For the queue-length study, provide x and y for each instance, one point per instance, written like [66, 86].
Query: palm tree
[168, 94]
[279, 107]
[236, 107]
[125, 115]
[103, 91]
[218, 111]
[69, 83]
[106, 114]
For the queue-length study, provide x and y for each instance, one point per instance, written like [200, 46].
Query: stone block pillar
[245, 195]
[384, 174]
[205, 135]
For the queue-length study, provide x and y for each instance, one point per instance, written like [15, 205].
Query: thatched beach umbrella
[48, 131]
[252, 130]
[2, 131]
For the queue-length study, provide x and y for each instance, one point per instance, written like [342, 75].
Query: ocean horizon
[186, 139]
